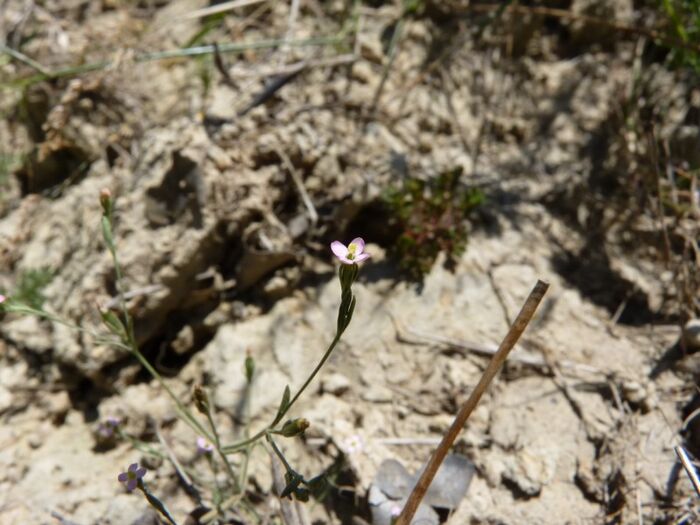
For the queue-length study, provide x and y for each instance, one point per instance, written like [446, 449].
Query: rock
[35, 440]
[638, 394]
[377, 394]
[362, 72]
[184, 340]
[529, 472]
[58, 405]
[451, 482]
[585, 33]
[5, 399]
[336, 384]
[393, 484]
[685, 145]
[371, 48]
[385, 510]
[393, 479]
[691, 335]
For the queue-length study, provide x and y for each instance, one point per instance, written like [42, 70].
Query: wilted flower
[352, 253]
[204, 447]
[130, 478]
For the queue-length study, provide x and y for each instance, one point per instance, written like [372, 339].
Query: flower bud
[106, 201]
[348, 274]
[249, 368]
[201, 400]
[294, 427]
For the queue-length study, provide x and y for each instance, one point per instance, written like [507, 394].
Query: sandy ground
[225, 207]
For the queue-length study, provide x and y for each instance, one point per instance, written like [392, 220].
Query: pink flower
[131, 477]
[204, 447]
[395, 513]
[2, 298]
[353, 444]
[352, 253]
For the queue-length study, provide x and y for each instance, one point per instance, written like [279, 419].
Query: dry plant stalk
[516, 330]
[689, 467]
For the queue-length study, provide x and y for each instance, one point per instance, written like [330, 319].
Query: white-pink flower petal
[360, 243]
[339, 249]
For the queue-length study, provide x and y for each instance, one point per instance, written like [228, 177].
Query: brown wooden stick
[516, 330]
[689, 467]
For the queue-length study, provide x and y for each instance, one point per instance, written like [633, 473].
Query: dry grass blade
[220, 8]
[299, 183]
[516, 330]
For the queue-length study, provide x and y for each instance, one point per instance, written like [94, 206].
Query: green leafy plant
[31, 286]
[227, 497]
[431, 216]
[8, 163]
[684, 20]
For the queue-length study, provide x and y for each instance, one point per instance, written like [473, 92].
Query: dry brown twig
[299, 183]
[689, 467]
[516, 330]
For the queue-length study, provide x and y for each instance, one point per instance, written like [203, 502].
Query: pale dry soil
[223, 255]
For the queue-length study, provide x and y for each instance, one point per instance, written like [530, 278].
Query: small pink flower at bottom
[204, 447]
[130, 478]
[2, 298]
[353, 445]
[352, 253]
[395, 513]
[106, 429]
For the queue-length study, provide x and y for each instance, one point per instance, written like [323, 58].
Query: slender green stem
[184, 412]
[229, 449]
[187, 416]
[17, 55]
[140, 445]
[279, 453]
[217, 490]
[242, 444]
[28, 310]
[246, 432]
[345, 312]
[316, 370]
[393, 51]
[244, 466]
[217, 445]
[231, 47]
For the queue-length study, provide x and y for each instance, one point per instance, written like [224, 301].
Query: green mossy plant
[684, 20]
[431, 216]
[31, 286]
